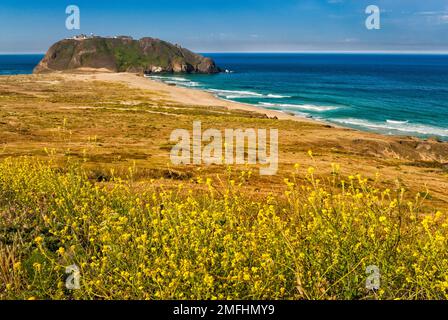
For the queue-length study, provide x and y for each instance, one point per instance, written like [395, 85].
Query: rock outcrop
[123, 54]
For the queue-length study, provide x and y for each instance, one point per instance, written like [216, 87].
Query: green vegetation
[128, 56]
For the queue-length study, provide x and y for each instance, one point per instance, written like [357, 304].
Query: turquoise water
[390, 94]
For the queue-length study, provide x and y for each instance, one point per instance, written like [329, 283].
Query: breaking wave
[240, 94]
[395, 126]
[306, 107]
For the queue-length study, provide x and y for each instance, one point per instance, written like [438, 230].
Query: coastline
[189, 96]
[200, 97]
[396, 116]
[98, 108]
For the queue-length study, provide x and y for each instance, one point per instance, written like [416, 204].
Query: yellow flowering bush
[313, 241]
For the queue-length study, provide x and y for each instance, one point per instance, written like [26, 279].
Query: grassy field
[85, 179]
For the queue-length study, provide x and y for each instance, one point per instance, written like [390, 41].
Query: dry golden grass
[111, 125]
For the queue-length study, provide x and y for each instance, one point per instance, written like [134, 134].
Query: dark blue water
[18, 64]
[390, 94]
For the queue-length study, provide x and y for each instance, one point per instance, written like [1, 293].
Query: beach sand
[186, 96]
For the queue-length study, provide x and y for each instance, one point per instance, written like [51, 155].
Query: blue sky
[234, 25]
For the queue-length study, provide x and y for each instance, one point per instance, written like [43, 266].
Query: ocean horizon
[391, 94]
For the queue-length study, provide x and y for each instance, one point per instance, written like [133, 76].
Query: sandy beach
[186, 96]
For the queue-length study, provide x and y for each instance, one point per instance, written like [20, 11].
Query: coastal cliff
[123, 54]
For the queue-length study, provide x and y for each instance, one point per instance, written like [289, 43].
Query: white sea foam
[396, 122]
[232, 94]
[307, 107]
[175, 80]
[156, 77]
[227, 94]
[238, 94]
[397, 126]
[277, 96]
[168, 78]
[183, 83]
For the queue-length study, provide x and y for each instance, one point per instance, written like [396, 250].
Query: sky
[30, 26]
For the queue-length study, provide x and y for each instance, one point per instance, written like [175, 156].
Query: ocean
[393, 94]
[18, 63]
